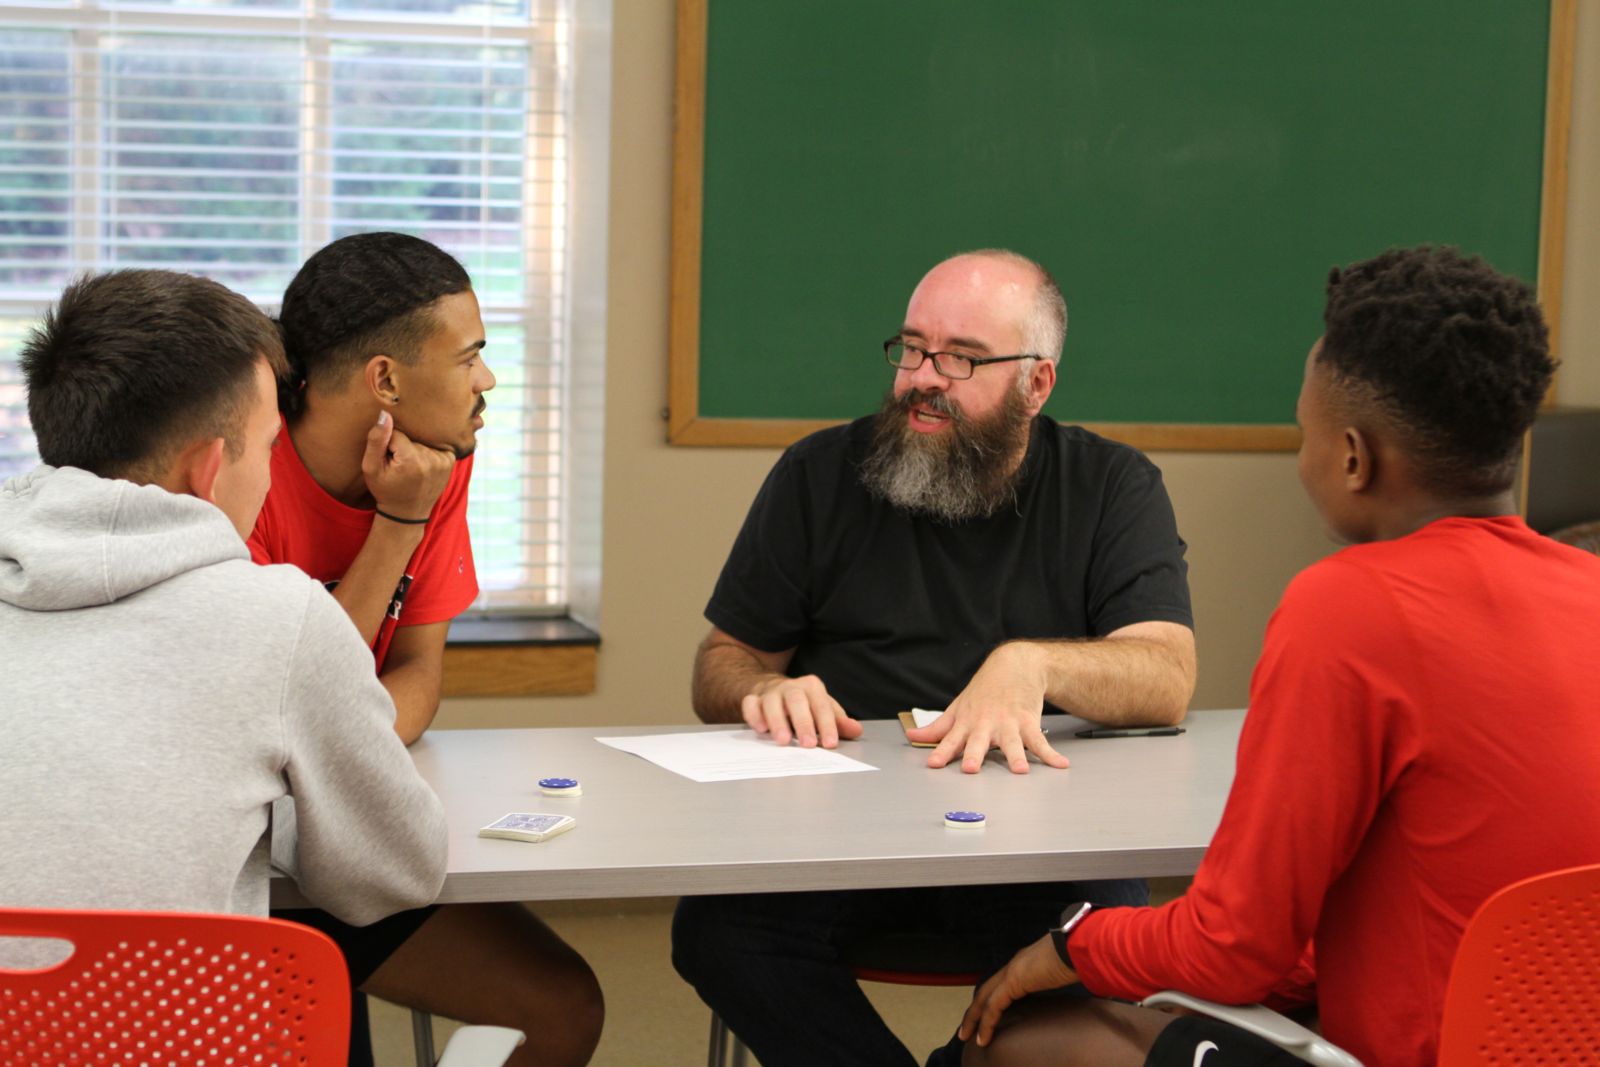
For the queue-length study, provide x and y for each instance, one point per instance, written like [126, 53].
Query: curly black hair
[1453, 352]
[359, 296]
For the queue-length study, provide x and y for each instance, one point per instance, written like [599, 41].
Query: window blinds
[233, 138]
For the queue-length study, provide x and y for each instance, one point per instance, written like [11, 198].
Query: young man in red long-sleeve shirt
[1421, 729]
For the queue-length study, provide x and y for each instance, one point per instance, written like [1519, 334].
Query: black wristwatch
[1069, 920]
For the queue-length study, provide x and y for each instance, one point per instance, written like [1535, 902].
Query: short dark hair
[365, 294]
[1453, 352]
[132, 365]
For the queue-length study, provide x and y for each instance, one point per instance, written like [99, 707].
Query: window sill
[520, 657]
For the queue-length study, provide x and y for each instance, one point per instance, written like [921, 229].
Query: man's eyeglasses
[951, 365]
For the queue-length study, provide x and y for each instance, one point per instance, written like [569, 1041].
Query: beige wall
[671, 512]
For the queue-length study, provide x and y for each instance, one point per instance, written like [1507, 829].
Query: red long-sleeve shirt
[1424, 729]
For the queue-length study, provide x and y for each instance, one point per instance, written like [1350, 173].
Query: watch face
[1058, 938]
[1069, 919]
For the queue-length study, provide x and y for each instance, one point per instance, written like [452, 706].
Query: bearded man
[958, 550]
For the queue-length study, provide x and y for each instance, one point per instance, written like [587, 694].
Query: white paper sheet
[924, 717]
[729, 755]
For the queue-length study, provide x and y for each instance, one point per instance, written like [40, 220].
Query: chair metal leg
[717, 1043]
[422, 1037]
[724, 1047]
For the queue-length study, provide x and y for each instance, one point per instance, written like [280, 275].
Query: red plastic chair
[1524, 987]
[1525, 984]
[173, 988]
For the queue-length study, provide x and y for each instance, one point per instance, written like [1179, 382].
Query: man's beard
[463, 451]
[969, 471]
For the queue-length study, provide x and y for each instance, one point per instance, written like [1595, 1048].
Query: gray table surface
[1127, 807]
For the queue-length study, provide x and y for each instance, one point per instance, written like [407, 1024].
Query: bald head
[973, 291]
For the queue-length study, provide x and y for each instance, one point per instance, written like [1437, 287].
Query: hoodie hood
[70, 539]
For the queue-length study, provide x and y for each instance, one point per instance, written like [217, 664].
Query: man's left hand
[1001, 707]
[1035, 969]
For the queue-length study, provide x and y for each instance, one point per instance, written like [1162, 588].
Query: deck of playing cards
[527, 826]
[916, 718]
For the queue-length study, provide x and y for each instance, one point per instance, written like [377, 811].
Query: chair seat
[922, 956]
[893, 958]
[953, 978]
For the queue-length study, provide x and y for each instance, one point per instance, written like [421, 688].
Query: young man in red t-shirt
[369, 484]
[1421, 725]
[369, 495]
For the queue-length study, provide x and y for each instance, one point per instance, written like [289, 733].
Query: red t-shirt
[301, 524]
[1422, 732]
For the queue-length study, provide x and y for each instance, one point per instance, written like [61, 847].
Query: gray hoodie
[158, 692]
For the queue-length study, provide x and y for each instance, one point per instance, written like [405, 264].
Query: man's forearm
[368, 585]
[723, 676]
[415, 692]
[1114, 680]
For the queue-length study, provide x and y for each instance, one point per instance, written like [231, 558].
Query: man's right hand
[798, 707]
[405, 478]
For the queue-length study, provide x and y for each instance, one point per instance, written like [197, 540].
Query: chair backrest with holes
[170, 988]
[1525, 985]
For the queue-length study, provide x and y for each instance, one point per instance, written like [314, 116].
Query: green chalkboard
[1188, 170]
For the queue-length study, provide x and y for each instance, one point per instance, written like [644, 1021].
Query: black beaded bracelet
[403, 522]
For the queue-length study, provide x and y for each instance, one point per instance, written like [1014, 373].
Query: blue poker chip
[964, 820]
[560, 787]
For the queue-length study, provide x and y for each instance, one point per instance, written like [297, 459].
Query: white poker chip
[965, 820]
[560, 787]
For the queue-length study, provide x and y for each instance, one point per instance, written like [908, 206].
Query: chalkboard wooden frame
[687, 427]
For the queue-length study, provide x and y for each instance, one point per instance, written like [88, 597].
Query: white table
[1127, 807]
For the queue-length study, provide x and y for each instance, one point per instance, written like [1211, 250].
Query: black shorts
[365, 948]
[1182, 1044]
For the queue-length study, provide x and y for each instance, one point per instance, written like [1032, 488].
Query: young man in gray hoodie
[160, 691]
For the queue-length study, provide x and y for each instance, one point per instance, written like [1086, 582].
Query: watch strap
[1070, 918]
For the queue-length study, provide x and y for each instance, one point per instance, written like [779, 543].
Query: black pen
[1132, 731]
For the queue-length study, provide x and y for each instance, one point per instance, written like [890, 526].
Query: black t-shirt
[893, 611]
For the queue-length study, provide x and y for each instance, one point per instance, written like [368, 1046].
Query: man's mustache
[938, 402]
